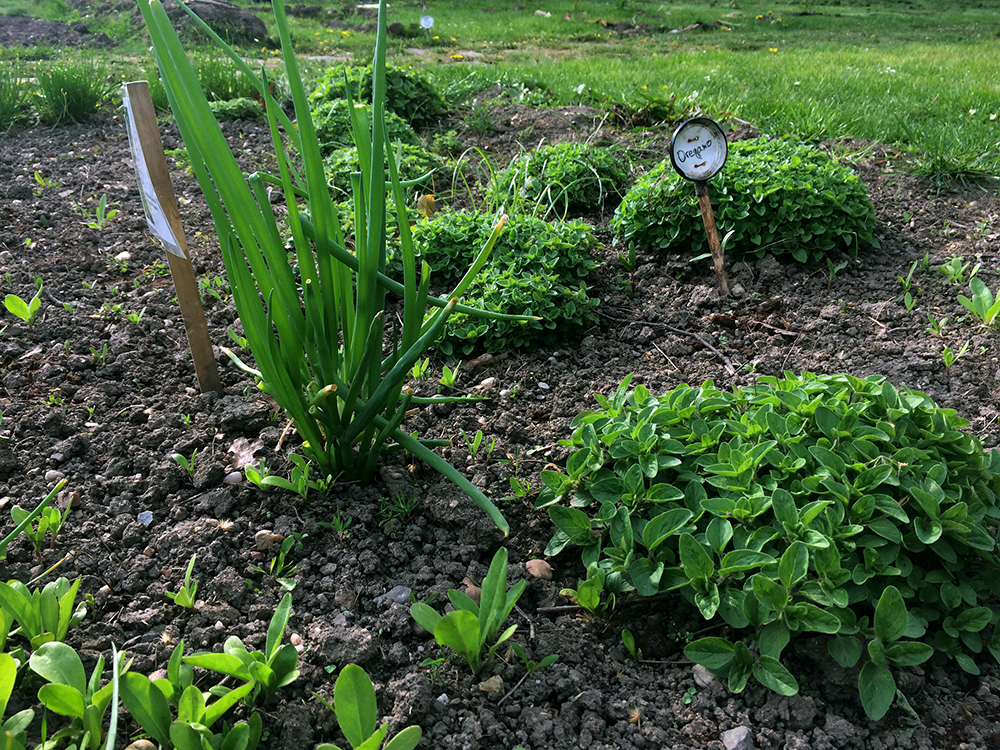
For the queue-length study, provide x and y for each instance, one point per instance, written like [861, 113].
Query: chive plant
[318, 340]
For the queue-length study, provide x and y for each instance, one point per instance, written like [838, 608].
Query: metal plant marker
[698, 151]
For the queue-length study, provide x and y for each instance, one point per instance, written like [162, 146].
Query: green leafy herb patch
[332, 120]
[537, 268]
[776, 196]
[564, 177]
[412, 162]
[808, 504]
[408, 93]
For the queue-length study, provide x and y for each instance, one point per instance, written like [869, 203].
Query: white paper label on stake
[155, 217]
[426, 22]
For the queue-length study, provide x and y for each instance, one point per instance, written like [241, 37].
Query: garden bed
[104, 401]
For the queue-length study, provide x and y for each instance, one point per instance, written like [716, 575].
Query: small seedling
[398, 507]
[186, 463]
[951, 357]
[185, 597]
[982, 305]
[26, 311]
[908, 302]
[529, 665]
[936, 327]
[99, 217]
[955, 270]
[520, 487]
[628, 262]
[48, 521]
[448, 376]
[907, 282]
[473, 444]
[45, 182]
[340, 525]
[433, 667]
[101, 355]
[280, 568]
[419, 370]
[135, 318]
[833, 269]
[689, 695]
[357, 712]
[628, 640]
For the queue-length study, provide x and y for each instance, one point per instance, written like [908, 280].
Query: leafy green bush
[71, 91]
[333, 125]
[819, 503]
[413, 163]
[563, 177]
[777, 196]
[537, 268]
[408, 93]
[242, 108]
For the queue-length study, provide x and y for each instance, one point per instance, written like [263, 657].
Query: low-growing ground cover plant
[408, 93]
[538, 268]
[333, 125]
[812, 503]
[413, 162]
[776, 196]
[562, 178]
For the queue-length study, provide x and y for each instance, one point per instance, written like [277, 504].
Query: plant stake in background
[698, 151]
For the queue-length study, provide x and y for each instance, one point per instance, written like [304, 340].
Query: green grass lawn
[922, 75]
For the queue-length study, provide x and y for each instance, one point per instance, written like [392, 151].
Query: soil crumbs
[102, 401]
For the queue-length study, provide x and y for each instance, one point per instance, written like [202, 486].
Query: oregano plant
[775, 196]
[810, 503]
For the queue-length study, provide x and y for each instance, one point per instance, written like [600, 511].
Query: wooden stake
[701, 190]
[185, 284]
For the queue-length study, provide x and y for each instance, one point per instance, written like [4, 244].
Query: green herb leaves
[815, 503]
[775, 196]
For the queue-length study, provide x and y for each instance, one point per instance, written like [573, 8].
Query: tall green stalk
[319, 340]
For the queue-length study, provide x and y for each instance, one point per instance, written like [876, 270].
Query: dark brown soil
[109, 423]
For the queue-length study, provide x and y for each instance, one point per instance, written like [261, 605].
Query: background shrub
[333, 125]
[563, 177]
[792, 505]
[536, 268]
[778, 196]
[408, 93]
[237, 109]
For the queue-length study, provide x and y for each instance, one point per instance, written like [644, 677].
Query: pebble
[145, 518]
[233, 477]
[443, 699]
[492, 685]
[149, 552]
[702, 677]
[505, 392]
[265, 539]
[539, 569]
[740, 738]
[544, 386]
[54, 476]
[396, 595]
[219, 625]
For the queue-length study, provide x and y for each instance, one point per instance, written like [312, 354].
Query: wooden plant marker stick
[701, 190]
[164, 220]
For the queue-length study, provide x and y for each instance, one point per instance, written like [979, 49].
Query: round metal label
[698, 149]
[426, 22]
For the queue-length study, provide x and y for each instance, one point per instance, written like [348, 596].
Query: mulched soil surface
[108, 420]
